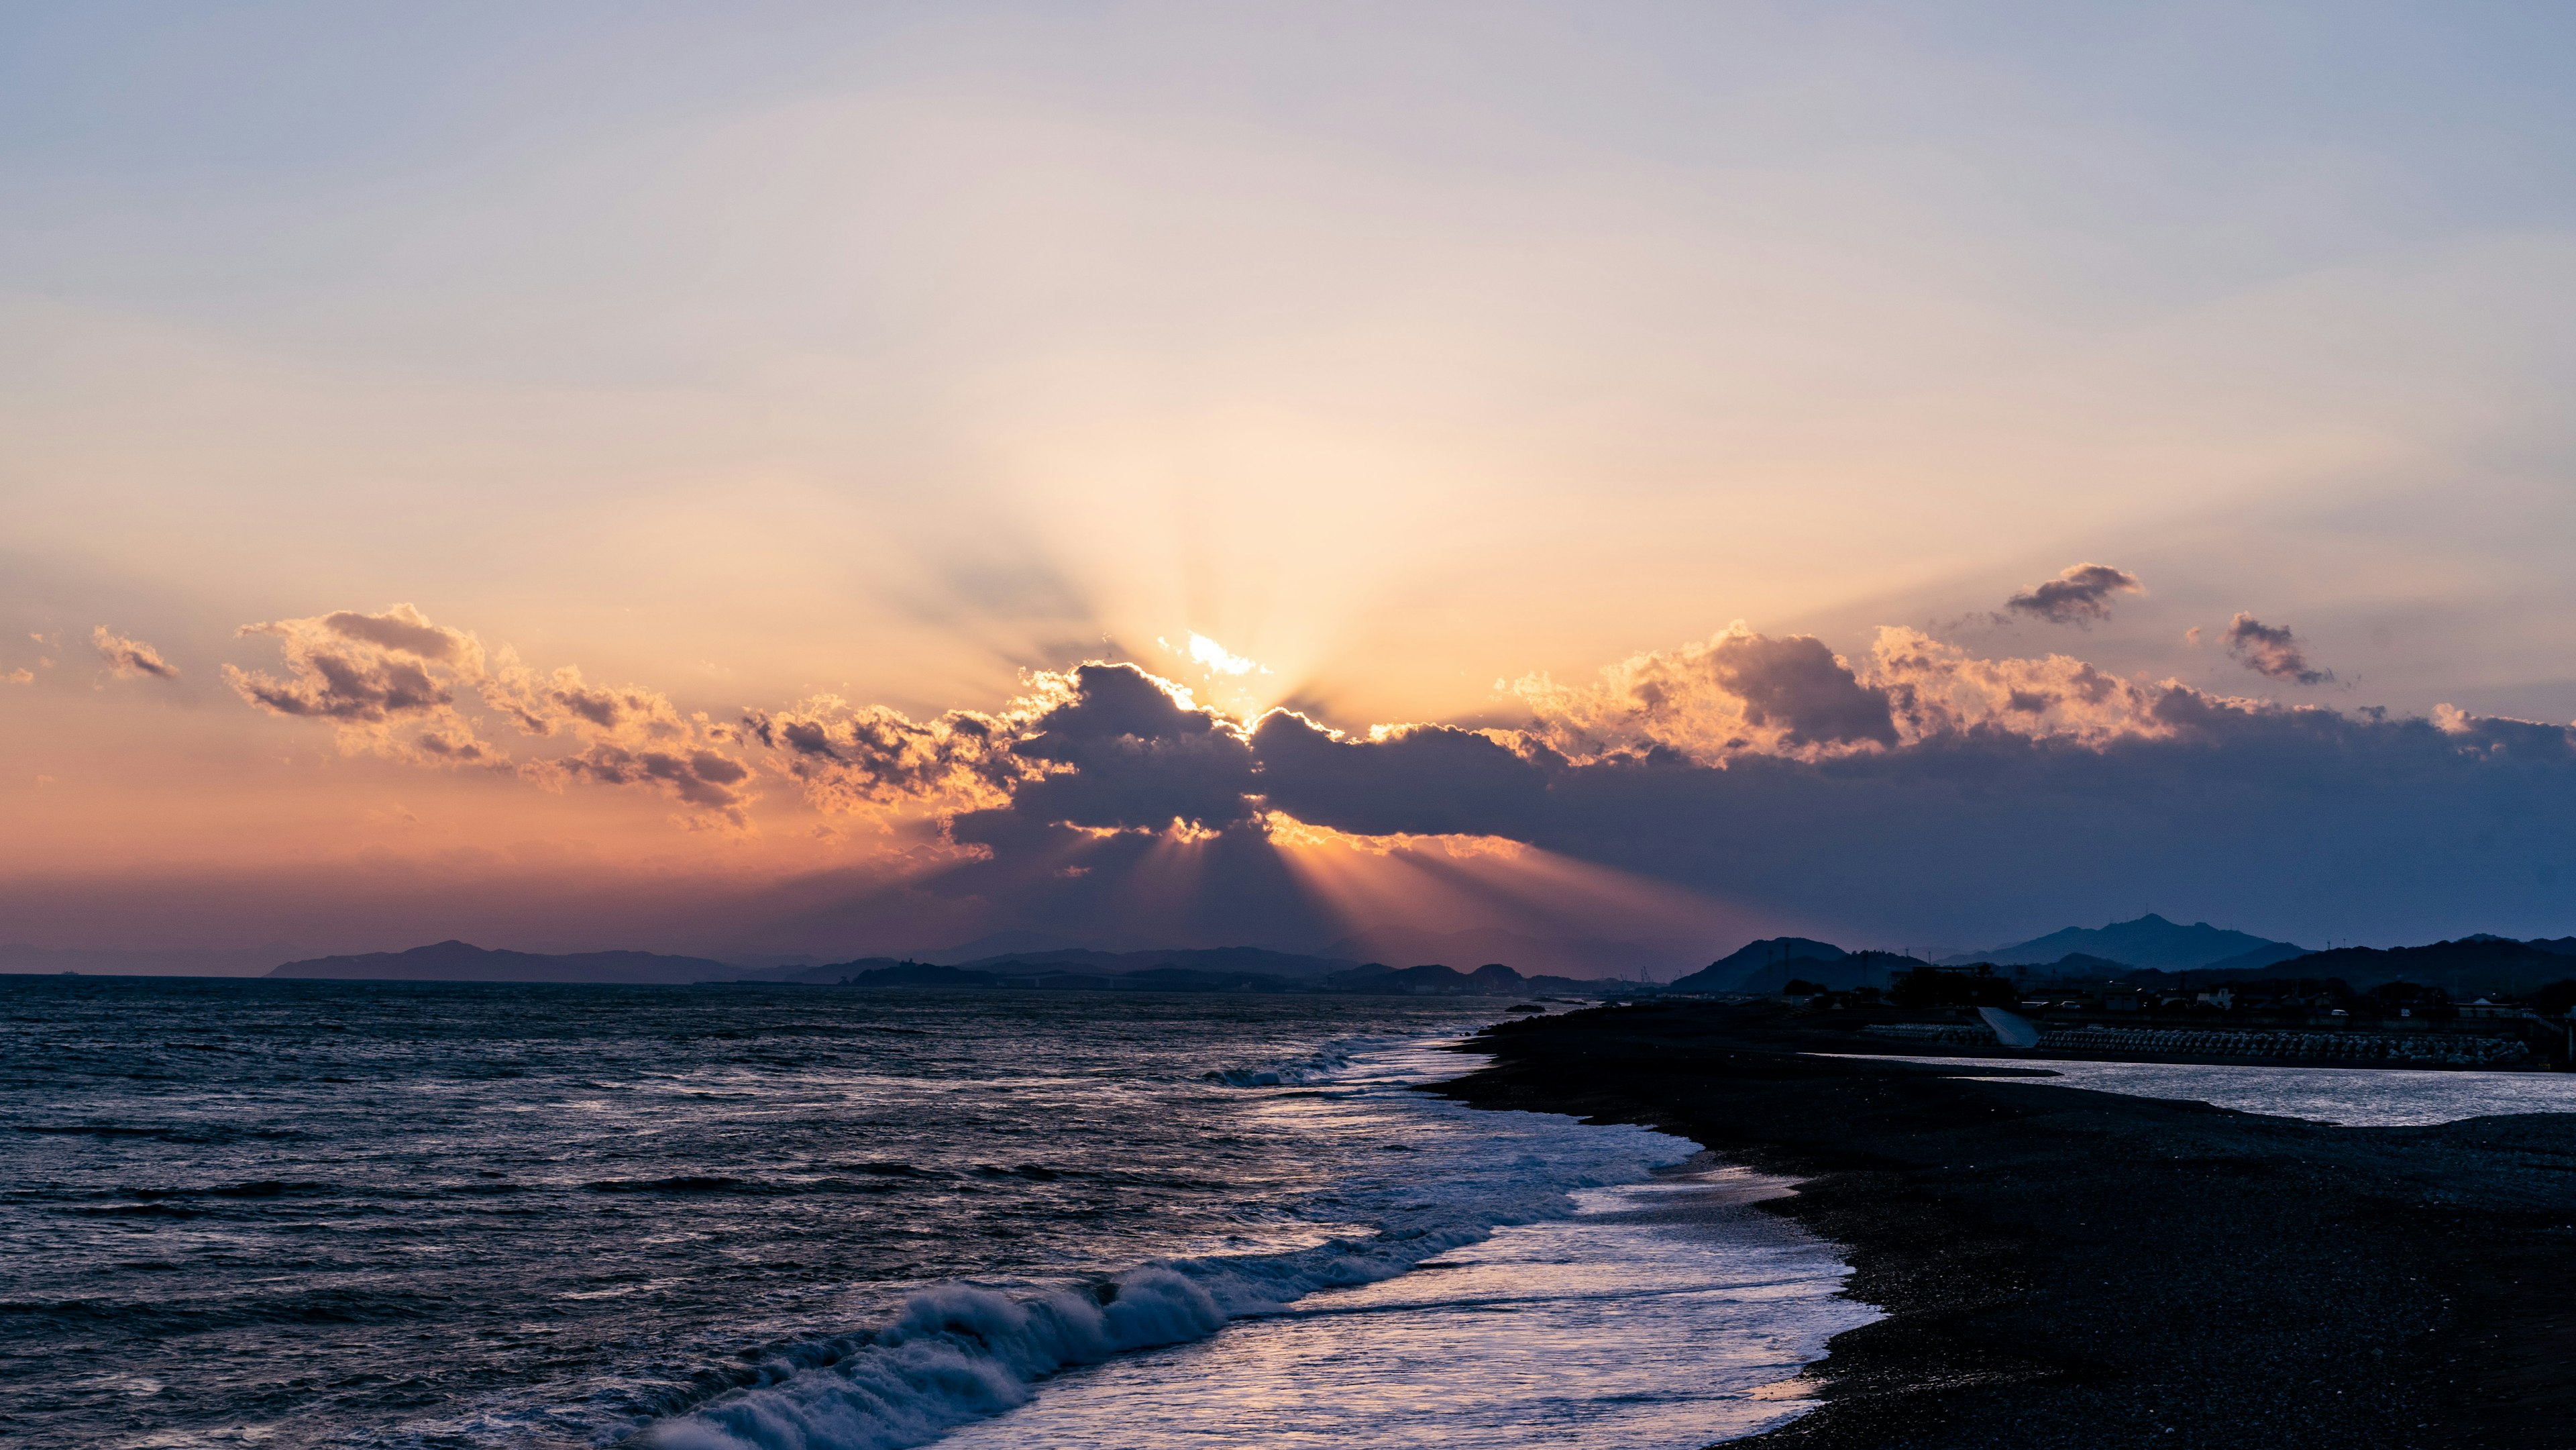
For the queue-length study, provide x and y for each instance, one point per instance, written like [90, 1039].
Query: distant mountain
[2469, 966]
[822, 974]
[456, 961]
[2076, 966]
[878, 972]
[2150, 941]
[1490, 980]
[145, 961]
[1732, 972]
[2259, 959]
[1289, 965]
[1001, 943]
[1053, 974]
[1578, 957]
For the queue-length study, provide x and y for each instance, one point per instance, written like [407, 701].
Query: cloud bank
[1918, 787]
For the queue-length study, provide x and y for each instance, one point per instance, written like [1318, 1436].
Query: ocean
[2351, 1097]
[465, 1215]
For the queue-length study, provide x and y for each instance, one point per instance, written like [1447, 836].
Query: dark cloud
[1797, 686]
[130, 659]
[2079, 595]
[400, 628]
[346, 687]
[1427, 780]
[1918, 792]
[2271, 651]
[1125, 752]
[708, 781]
[1988, 792]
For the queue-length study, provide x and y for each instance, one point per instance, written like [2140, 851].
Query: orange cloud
[129, 659]
[400, 685]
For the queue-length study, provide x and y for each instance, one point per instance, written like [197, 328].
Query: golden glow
[1293, 834]
[1454, 883]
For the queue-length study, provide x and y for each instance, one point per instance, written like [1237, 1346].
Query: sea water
[2348, 1096]
[450, 1215]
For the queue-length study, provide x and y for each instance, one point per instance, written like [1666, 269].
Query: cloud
[2079, 595]
[1915, 788]
[2271, 651]
[709, 781]
[386, 682]
[19, 677]
[2025, 790]
[131, 659]
[852, 758]
[1738, 691]
[400, 685]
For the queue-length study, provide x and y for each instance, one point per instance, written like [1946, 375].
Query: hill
[1491, 980]
[2149, 941]
[456, 961]
[144, 961]
[1578, 957]
[2466, 968]
[1260, 961]
[1734, 971]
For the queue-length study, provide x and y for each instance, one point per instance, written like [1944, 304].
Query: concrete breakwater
[2443, 1049]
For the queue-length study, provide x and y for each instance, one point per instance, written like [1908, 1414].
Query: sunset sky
[837, 479]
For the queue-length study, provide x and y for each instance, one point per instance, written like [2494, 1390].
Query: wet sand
[2071, 1268]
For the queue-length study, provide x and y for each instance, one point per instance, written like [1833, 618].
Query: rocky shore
[2079, 1269]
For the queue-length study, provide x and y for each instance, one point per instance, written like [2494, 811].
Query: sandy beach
[2062, 1267]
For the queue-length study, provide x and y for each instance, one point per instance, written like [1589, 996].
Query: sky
[838, 479]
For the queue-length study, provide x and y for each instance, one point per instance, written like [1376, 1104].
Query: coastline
[2061, 1267]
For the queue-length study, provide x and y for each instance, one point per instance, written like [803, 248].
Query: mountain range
[1224, 969]
[2149, 942]
[456, 961]
[2151, 951]
[2144, 950]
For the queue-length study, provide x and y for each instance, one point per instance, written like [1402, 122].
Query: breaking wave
[1321, 1065]
[956, 1353]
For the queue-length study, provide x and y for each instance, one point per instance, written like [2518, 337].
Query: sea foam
[956, 1353]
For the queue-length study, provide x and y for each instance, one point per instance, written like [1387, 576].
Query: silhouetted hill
[1490, 980]
[1000, 943]
[2149, 941]
[2465, 968]
[1290, 966]
[146, 961]
[1013, 973]
[878, 972]
[2078, 966]
[1732, 972]
[2261, 959]
[1583, 958]
[456, 961]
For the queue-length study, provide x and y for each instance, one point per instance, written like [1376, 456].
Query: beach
[2062, 1267]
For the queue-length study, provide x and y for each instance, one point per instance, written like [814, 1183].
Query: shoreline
[2063, 1267]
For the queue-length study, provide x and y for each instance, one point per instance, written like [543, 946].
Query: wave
[1322, 1064]
[956, 1353]
[959, 1352]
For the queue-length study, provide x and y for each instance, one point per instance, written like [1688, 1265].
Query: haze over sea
[324, 1213]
